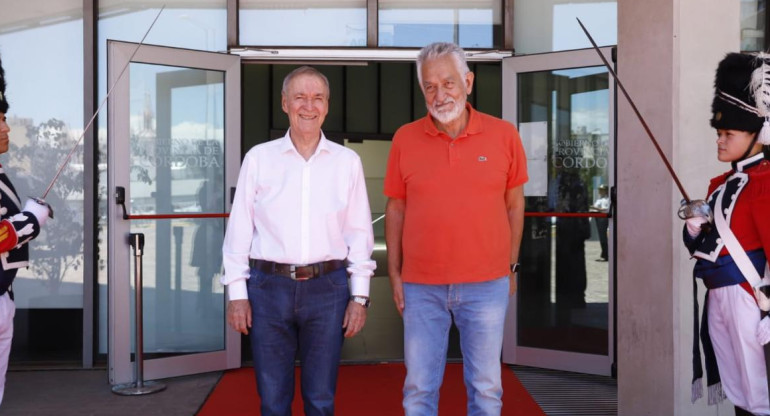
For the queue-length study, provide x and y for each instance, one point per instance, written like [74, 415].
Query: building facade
[205, 87]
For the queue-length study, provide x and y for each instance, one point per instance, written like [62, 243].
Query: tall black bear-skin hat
[742, 94]
[3, 99]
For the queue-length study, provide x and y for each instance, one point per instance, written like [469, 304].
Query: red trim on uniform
[747, 287]
[8, 236]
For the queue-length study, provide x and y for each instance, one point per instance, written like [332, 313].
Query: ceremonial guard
[17, 227]
[729, 235]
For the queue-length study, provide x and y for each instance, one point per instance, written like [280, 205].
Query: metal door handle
[120, 199]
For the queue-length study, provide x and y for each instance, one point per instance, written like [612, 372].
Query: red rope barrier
[175, 216]
[224, 215]
[568, 214]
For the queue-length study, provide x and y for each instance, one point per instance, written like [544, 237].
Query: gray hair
[439, 50]
[305, 70]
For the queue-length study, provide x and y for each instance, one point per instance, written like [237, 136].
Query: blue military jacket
[17, 228]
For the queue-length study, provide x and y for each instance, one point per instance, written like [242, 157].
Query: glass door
[562, 316]
[174, 150]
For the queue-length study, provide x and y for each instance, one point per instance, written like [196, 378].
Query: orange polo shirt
[456, 226]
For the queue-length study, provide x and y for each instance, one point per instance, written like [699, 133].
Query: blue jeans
[293, 319]
[478, 310]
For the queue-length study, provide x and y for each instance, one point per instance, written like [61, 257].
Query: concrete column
[667, 54]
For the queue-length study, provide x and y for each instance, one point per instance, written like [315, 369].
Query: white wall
[707, 29]
[667, 54]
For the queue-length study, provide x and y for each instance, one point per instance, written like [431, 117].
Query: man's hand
[239, 315]
[513, 284]
[398, 293]
[355, 318]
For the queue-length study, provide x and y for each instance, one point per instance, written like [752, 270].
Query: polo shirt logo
[482, 158]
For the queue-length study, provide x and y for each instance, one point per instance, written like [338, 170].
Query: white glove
[763, 331]
[40, 211]
[693, 225]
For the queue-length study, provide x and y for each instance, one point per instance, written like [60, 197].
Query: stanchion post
[139, 386]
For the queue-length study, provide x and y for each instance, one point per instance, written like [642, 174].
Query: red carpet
[365, 390]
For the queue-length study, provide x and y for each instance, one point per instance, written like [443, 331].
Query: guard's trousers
[733, 317]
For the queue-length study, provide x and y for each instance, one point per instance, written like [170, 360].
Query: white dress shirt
[602, 204]
[289, 210]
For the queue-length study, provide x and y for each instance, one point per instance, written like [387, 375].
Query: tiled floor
[87, 393]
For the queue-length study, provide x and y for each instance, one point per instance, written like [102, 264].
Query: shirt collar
[474, 125]
[749, 162]
[287, 145]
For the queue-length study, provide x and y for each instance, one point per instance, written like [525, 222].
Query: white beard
[448, 116]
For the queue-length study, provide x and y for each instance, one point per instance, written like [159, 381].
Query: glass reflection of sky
[43, 65]
[549, 25]
[202, 29]
[347, 27]
[580, 72]
[204, 118]
[589, 109]
[205, 29]
[600, 18]
[54, 74]
[470, 28]
[304, 27]
[199, 117]
[44, 72]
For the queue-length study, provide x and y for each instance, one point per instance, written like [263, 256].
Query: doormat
[365, 390]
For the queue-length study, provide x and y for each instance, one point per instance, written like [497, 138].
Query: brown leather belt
[297, 271]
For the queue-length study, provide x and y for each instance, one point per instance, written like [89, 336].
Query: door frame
[119, 327]
[121, 366]
[537, 357]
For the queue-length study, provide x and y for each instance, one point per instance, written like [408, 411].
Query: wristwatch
[515, 268]
[361, 300]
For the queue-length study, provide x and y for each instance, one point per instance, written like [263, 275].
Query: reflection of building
[148, 119]
[582, 150]
[188, 160]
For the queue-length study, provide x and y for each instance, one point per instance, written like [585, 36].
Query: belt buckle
[293, 272]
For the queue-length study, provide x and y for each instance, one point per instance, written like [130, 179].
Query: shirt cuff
[359, 286]
[236, 290]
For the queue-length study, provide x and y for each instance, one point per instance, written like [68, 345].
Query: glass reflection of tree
[59, 248]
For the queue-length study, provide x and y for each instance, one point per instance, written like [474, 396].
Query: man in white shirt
[299, 226]
[602, 204]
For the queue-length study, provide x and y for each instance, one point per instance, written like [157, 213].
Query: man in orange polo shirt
[453, 227]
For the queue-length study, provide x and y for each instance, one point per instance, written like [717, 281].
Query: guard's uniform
[17, 227]
[731, 313]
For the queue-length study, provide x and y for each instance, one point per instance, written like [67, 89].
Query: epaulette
[759, 182]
